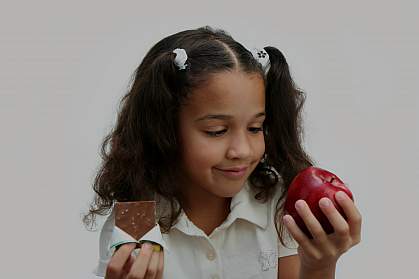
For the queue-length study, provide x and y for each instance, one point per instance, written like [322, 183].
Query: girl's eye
[216, 133]
[253, 130]
[256, 130]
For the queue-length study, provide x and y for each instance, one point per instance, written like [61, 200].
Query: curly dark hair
[140, 153]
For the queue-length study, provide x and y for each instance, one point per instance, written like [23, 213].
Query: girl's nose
[239, 148]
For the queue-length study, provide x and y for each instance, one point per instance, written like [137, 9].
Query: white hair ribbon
[180, 58]
[262, 57]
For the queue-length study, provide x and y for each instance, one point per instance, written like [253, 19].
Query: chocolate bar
[136, 218]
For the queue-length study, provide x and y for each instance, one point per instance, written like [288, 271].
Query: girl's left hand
[323, 251]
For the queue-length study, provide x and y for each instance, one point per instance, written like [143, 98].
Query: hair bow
[180, 58]
[262, 57]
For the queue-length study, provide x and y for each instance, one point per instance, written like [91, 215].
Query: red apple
[312, 184]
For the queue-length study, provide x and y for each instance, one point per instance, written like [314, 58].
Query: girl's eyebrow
[225, 116]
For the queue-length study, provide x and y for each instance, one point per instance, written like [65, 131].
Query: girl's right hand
[147, 265]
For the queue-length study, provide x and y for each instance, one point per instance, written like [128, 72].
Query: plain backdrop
[65, 65]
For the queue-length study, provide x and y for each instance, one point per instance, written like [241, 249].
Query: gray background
[65, 65]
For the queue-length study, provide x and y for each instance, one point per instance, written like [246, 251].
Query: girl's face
[221, 133]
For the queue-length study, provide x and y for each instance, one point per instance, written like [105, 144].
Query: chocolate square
[136, 218]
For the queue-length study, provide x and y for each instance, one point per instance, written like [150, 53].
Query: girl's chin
[229, 188]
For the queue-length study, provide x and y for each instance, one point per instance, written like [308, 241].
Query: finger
[311, 222]
[339, 224]
[139, 268]
[353, 215]
[160, 268]
[153, 266]
[127, 266]
[115, 266]
[298, 234]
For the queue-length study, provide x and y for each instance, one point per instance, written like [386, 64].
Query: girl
[212, 132]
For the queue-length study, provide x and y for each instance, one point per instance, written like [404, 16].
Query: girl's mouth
[234, 172]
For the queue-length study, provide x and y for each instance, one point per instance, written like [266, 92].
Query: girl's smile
[233, 172]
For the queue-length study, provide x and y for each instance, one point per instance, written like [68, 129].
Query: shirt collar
[243, 206]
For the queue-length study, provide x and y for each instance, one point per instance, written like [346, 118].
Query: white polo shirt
[245, 245]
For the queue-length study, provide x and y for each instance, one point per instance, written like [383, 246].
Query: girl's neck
[206, 210]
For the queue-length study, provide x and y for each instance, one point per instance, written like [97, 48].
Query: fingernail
[325, 202]
[147, 246]
[287, 219]
[340, 195]
[299, 204]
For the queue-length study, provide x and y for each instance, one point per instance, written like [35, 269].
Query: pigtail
[158, 97]
[283, 130]
[162, 96]
[283, 127]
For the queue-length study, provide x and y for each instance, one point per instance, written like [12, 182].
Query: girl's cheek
[203, 148]
[260, 146]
